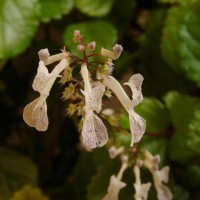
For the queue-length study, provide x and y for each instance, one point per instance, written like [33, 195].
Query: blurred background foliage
[161, 41]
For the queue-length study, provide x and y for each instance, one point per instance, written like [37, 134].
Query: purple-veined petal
[94, 132]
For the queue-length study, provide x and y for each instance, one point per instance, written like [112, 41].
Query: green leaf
[181, 40]
[124, 120]
[18, 22]
[87, 166]
[179, 193]
[170, 98]
[16, 171]
[182, 109]
[155, 113]
[83, 172]
[158, 76]
[122, 139]
[123, 64]
[122, 13]
[178, 148]
[105, 37]
[185, 117]
[191, 177]
[97, 8]
[100, 156]
[185, 2]
[51, 9]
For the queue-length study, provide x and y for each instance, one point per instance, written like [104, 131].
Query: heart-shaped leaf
[19, 21]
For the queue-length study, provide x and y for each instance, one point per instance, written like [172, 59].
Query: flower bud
[115, 54]
[117, 50]
[80, 47]
[113, 151]
[91, 46]
[77, 36]
[43, 55]
[124, 159]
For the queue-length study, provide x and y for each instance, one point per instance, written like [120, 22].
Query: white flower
[115, 54]
[35, 113]
[137, 123]
[159, 176]
[141, 190]
[116, 184]
[94, 132]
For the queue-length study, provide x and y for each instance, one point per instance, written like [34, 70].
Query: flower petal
[163, 174]
[94, 99]
[137, 126]
[41, 79]
[164, 192]
[43, 55]
[115, 54]
[35, 114]
[159, 176]
[97, 93]
[94, 132]
[135, 83]
[114, 187]
[142, 191]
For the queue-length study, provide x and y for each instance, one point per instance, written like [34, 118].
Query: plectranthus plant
[84, 93]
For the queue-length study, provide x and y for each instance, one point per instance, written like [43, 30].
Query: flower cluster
[141, 189]
[87, 93]
[84, 94]
[35, 113]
